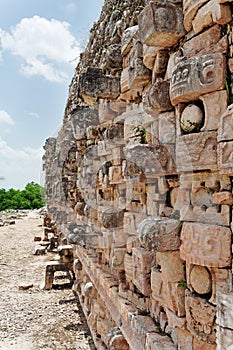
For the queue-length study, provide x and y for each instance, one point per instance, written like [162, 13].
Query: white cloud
[46, 46]
[6, 118]
[19, 167]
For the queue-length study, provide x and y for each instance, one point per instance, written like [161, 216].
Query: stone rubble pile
[139, 178]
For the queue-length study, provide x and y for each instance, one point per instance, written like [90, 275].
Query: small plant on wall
[140, 133]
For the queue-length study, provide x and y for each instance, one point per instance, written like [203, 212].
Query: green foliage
[140, 133]
[229, 92]
[32, 197]
[182, 283]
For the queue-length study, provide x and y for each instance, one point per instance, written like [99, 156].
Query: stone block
[197, 151]
[184, 338]
[196, 76]
[212, 12]
[133, 120]
[149, 55]
[206, 245]
[224, 339]
[175, 321]
[95, 85]
[225, 310]
[156, 341]
[125, 80]
[128, 37]
[142, 261]
[190, 8]
[160, 64]
[115, 340]
[157, 285]
[221, 282]
[157, 98]
[110, 217]
[139, 75]
[129, 223]
[103, 326]
[161, 24]
[120, 237]
[199, 344]
[225, 158]
[143, 325]
[225, 130]
[171, 265]
[115, 174]
[132, 242]
[167, 127]
[224, 197]
[105, 111]
[174, 296]
[159, 235]
[150, 160]
[196, 198]
[117, 258]
[215, 104]
[128, 266]
[200, 317]
[104, 148]
[210, 40]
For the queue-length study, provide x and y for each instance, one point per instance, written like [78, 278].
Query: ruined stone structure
[139, 178]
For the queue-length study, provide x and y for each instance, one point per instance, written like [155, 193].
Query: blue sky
[40, 41]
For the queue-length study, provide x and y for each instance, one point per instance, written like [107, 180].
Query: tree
[32, 197]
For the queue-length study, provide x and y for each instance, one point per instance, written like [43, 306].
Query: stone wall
[139, 179]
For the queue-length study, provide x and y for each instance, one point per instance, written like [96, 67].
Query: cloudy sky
[40, 42]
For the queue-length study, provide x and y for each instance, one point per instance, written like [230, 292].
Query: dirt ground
[34, 319]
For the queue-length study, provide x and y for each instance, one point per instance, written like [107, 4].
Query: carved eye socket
[173, 78]
[178, 75]
[185, 73]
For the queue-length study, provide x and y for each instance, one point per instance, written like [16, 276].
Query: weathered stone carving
[159, 235]
[161, 24]
[225, 158]
[196, 76]
[197, 151]
[225, 130]
[198, 195]
[206, 245]
[200, 318]
[151, 160]
[93, 84]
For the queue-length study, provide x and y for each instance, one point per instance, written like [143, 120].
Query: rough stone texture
[200, 318]
[196, 76]
[197, 151]
[139, 178]
[206, 245]
[160, 24]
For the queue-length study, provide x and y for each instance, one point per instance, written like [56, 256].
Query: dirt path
[34, 319]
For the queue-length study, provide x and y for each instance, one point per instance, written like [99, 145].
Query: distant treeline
[32, 197]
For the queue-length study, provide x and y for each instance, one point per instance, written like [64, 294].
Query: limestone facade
[139, 178]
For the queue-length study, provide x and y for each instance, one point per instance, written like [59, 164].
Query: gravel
[31, 318]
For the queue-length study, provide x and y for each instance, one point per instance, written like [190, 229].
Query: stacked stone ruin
[139, 178]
